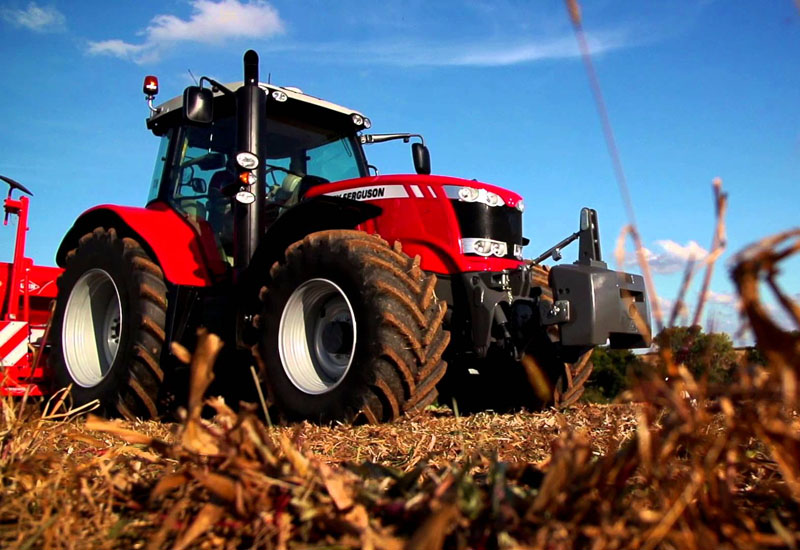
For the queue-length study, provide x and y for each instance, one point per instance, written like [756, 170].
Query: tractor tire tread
[137, 392]
[406, 363]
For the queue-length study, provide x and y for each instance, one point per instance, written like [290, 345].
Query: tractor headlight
[358, 120]
[499, 249]
[520, 205]
[484, 247]
[472, 194]
[493, 199]
[468, 194]
[367, 123]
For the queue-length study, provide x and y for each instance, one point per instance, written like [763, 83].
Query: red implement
[26, 294]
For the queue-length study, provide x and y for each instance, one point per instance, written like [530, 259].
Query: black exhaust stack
[251, 112]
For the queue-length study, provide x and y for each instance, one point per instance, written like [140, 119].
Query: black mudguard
[315, 214]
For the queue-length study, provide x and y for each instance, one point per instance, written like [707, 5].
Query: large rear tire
[351, 330]
[108, 325]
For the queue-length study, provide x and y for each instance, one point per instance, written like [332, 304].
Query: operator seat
[294, 188]
[287, 194]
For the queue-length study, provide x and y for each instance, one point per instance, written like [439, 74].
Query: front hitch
[593, 305]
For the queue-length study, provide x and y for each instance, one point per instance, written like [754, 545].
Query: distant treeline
[708, 356]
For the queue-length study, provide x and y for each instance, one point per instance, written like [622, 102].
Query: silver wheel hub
[92, 328]
[317, 336]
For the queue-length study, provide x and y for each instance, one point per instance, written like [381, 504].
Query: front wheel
[571, 375]
[351, 330]
[108, 325]
[542, 377]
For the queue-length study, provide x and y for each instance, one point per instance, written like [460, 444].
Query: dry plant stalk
[717, 247]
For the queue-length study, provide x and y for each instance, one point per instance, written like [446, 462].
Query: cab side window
[200, 167]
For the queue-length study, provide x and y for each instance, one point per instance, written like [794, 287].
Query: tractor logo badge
[32, 287]
[372, 193]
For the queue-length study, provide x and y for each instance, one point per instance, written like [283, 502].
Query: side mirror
[198, 105]
[198, 185]
[422, 158]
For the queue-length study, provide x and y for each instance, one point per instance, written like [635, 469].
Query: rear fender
[186, 257]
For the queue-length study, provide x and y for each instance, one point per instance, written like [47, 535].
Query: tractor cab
[308, 142]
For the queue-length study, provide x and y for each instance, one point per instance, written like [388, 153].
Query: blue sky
[695, 90]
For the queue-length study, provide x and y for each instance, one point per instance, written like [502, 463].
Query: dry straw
[690, 465]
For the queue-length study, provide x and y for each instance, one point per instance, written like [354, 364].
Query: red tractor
[265, 225]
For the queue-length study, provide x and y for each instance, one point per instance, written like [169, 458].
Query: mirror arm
[549, 252]
[380, 138]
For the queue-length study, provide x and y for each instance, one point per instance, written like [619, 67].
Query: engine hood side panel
[418, 212]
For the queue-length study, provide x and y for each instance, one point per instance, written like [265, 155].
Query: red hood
[422, 182]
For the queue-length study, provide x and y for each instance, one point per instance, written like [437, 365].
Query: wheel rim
[317, 336]
[92, 328]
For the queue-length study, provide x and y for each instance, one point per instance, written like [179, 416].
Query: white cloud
[719, 298]
[673, 256]
[115, 47]
[779, 315]
[476, 52]
[210, 23]
[509, 54]
[692, 250]
[36, 18]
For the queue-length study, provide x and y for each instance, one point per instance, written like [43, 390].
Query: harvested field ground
[435, 436]
[66, 485]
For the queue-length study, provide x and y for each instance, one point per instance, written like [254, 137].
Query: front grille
[499, 223]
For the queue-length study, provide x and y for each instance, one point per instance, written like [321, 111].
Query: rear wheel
[108, 325]
[351, 330]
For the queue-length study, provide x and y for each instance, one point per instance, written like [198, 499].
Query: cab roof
[293, 94]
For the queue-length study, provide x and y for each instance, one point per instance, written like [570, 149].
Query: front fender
[314, 214]
[185, 256]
